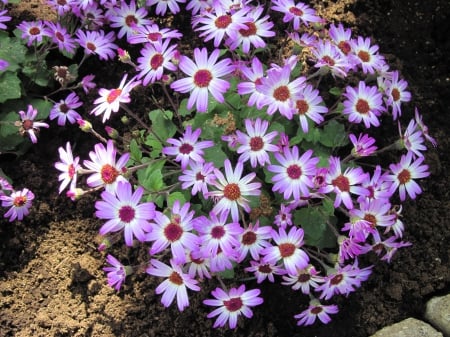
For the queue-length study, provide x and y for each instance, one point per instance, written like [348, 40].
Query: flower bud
[125, 120]
[84, 125]
[112, 133]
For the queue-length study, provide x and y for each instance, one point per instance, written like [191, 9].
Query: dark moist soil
[51, 283]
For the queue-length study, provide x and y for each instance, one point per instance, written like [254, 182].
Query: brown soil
[51, 282]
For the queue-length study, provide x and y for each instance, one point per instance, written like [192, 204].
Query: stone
[437, 312]
[409, 327]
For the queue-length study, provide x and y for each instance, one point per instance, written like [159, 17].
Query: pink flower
[396, 94]
[314, 311]
[233, 189]
[116, 272]
[309, 105]
[297, 13]
[233, 304]
[203, 78]
[175, 284]
[20, 203]
[28, 125]
[68, 166]
[97, 43]
[123, 211]
[363, 146]
[303, 279]
[128, 18]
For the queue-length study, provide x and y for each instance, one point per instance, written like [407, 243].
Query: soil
[51, 282]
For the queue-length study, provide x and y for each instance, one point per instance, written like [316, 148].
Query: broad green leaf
[314, 223]
[215, 155]
[175, 196]
[10, 86]
[162, 124]
[333, 135]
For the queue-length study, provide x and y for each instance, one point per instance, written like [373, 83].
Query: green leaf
[335, 91]
[162, 124]
[135, 151]
[151, 177]
[215, 155]
[42, 106]
[227, 274]
[12, 50]
[314, 223]
[10, 86]
[334, 135]
[175, 196]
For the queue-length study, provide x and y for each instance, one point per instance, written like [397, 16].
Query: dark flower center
[294, 171]
[371, 218]
[223, 21]
[232, 192]
[156, 61]
[126, 213]
[34, 31]
[113, 94]
[364, 56]
[316, 310]
[60, 36]
[404, 176]
[251, 29]
[130, 20]
[108, 174]
[233, 304]
[282, 93]
[27, 124]
[63, 108]
[19, 201]
[91, 46]
[256, 143]
[302, 106]
[344, 46]
[265, 269]
[328, 60]
[362, 106]
[303, 277]
[186, 148]
[173, 232]
[336, 279]
[296, 11]
[217, 232]
[249, 238]
[395, 94]
[342, 183]
[286, 249]
[202, 78]
[199, 176]
[156, 36]
[176, 278]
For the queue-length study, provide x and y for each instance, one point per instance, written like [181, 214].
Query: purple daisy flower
[233, 189]
[278, 90]
[329, 58]
[363, 146]
[341, 37]
[265, 271]
[287, 248]
[199, 177]
[294, 174]
[19, 203]
[61, 37]
[153, 34]
[396, 94]
[253, 77]
[220, 23]
[204, 78]
[412, 139]
[174, 232]
[28, 125]
[342, 184]
[314, 311]
[233, 304]
[33, 31]
[187, 149]
[61, 7]
[363, 104]
[297, 13]
[105, 170]
[128, 18]
[123, 211]
[303, 279]
[310, 105]
[404, 173]
[366, 55]
[116, 272]
[256, 144]
[253, 240]
[155, 58]
[97, 43]
[175, 284]
[68, 166]
[257, 29]
[64, 110]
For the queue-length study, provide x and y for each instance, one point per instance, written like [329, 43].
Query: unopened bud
[124, 57]
[125, 120]
[84, 125]
[112, 133]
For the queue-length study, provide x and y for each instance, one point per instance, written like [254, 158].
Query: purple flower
[233, 189]
[104, 168]
[232, 304]
[163, 5]
[175, 284]
[199, 177]
[314, 311]
[174, 231]
[97, 43]
[64, 110]
[253, 240]
[124, 212]
[404, 173]
[68, 166]
[423, 127]
[287, 248]
[278, 91]
[265, 271]
[187, 149]
[33, 31]
[253, 75]
[20, 203]
[342, 184]
[294, 173]
[329, 58]
[297, 13]
[341, 37]
[153, 34]
[256, 144]
[155, 58]
[366, 55]
[363, 146]
[303, 279]
[396, 94]
[128, 18]
[309, 104]
[3, 65]
[61, 37]
[412, 139]
[117, 272]
[87, 82]
[203, 78]
[28, 125]
[363, 104]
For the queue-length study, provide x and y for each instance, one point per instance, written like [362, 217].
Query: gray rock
[409, 327]
[438, 313]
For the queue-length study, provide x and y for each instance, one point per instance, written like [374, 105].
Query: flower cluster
[249, 163]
